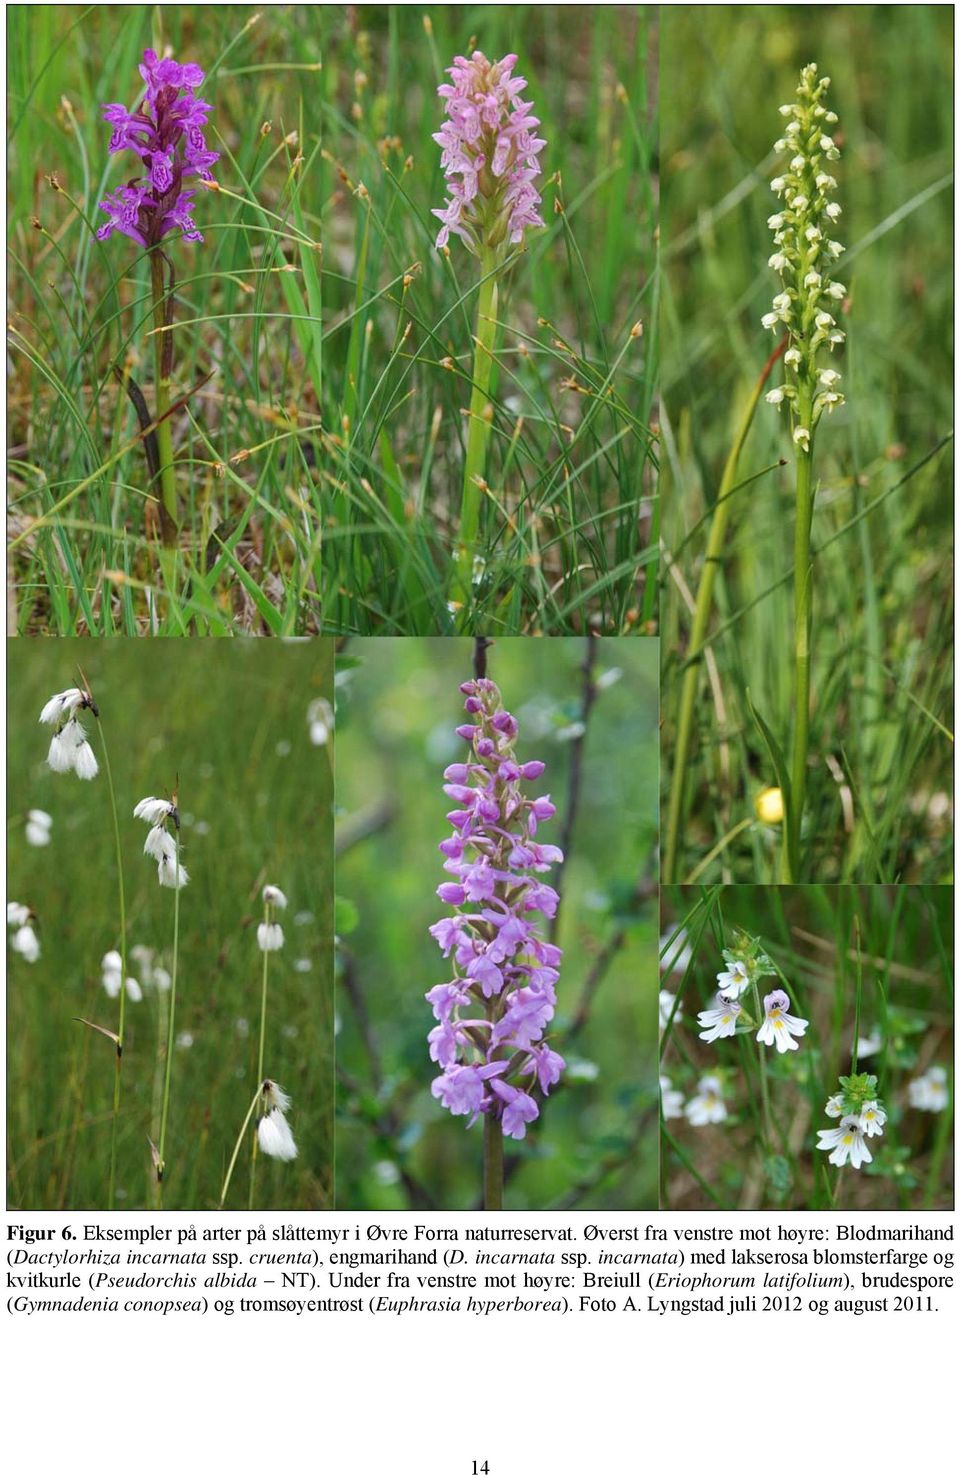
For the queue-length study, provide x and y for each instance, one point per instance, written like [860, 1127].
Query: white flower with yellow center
[707, 1106]
[734, 980]
[845, 1143]
[720, 1021]
[929, 1092]
[872, 1119]
[779, 1027]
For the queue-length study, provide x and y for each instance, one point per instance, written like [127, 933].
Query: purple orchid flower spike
[493, 1014]
[490, 155]
[166, 134]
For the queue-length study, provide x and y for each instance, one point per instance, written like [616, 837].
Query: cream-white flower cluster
[804, 257]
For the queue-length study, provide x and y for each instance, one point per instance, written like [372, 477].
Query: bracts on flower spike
[493, 1013]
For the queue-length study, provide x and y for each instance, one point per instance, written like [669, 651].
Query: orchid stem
[479, 425]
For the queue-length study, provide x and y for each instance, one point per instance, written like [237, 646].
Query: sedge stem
[111, 1188]
[164, 1110]
[236, 1147]
[260, 1056]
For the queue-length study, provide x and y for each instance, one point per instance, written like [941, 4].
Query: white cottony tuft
[153, 811]
[274, 1097]
[59, 755]
[159, 844]
[25, 942]
[17, 914]
[64, 704]
[275, 1136]
[39, 824]
[270, 937]
[274, 897]
[170, 874]
[85, 761]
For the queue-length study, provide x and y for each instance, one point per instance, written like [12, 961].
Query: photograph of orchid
[332, 319]
[807, 406]
[496, 923]
[169, 926]
[806, 1047]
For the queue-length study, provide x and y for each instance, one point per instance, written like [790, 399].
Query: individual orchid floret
[38, 827]
[69, 750]
[930, 1091]
[489, 155]
[493, 1013]
[160, 844]
[273, 1129]
[780, 1027]
[166, 134]
[707, 1106]
[720, 1021]
[845, 1143]
[671, 1100]
[804, 259]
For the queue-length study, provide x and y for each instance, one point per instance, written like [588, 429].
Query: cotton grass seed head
[160, 844]
[38, 827]
[69, 750]
[273, 1129]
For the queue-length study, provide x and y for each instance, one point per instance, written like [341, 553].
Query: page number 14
[479, 1469]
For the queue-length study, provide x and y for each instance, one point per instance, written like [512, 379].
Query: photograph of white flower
[806, 1040]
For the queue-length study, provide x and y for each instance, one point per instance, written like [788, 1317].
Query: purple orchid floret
[166, 134]
[492, 1015]
[490, 154]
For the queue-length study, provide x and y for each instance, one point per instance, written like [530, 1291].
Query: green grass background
[595, 1144]
[327, 447]
[256, 799]
[882, 664]
[906, 992]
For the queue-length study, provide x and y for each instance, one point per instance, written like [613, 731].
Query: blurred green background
[256, 799]
[906, 1005]
[883, 590]
[398, 705]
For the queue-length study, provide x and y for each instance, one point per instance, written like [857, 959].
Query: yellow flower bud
[769, 806]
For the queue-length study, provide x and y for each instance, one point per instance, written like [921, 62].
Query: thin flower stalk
[70, 751]
[273, 1130]
[703, 608]
[164, 847]
[269, 940]
[804, 259]
[490, 157]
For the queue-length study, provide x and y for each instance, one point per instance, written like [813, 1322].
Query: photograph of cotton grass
[169, 925]
[807, 418]
[806, 1047]
[496, 924]
[332, 319]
